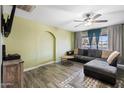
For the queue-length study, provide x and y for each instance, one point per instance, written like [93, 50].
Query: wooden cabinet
[13, 73]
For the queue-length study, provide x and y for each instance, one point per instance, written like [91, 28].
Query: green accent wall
[36, 46]
[54, 45]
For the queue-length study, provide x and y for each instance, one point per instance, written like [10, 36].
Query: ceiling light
[88, 23]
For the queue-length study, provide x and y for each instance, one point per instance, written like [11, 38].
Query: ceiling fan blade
[99, 21]
[96, 16]
[78, 25]
[78, 21]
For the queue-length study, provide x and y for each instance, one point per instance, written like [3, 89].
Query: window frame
[87, 46]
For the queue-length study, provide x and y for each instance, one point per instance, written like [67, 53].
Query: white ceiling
[63, 16]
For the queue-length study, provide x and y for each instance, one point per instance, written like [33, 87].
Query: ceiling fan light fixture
[90, 19]
[88, 23]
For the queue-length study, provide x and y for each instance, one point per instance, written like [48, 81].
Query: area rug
[79, 80]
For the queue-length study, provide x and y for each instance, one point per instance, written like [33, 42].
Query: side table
[65, 61]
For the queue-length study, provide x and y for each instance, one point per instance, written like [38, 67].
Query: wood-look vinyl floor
[62, 76]
[50, 75]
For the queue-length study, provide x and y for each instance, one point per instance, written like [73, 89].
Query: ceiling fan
[90, 19]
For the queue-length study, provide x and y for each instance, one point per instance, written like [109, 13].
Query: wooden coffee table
[65, 61]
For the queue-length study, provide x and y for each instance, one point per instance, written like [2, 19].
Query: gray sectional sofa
[96, 64]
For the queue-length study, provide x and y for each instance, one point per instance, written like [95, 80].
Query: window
[103, 40]
[85, 42]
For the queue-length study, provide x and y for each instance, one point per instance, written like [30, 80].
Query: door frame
[54, 45]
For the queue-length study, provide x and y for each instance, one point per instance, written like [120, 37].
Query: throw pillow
[112, 56]
[105, 54]
[70, 53]
[76, 51]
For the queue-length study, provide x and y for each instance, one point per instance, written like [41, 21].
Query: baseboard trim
[31, 68]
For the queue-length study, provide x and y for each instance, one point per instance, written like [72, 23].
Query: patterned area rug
[88, 82]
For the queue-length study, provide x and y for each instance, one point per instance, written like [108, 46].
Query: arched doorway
[54, 45]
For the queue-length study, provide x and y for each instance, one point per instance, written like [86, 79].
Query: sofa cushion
[112, 57]
[91, 52]
[80, 52]
[98, 53]
[101, 66]
[85, 52]
[85, 58]
[105, 54]
[94, 53]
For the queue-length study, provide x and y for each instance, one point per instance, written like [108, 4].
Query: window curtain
[97, 34]
[78, 39]
[122, 45]
[115, 34]
[90, 36]
[116, 39]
